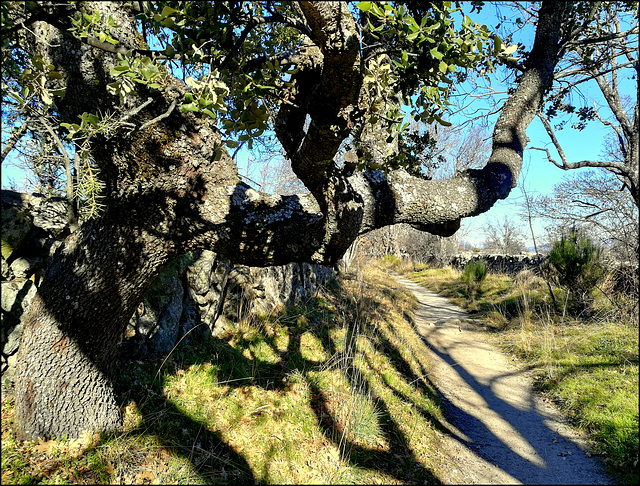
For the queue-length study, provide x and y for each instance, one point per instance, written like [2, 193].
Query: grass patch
[333, 390]
[589, 367]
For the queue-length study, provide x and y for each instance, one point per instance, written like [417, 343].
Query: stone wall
[509, 264]
[199, 293]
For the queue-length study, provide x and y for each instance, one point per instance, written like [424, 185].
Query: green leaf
[46, 99]
[435, 53]
[209, 113]
[93, 119]
[378, 12]
[166, 11]
[497, 43]
[511, 49]
[442, 122]
[364, 6]
[443, 67]
[190, 107]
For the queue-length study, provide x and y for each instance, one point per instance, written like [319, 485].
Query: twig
[14, 137]
[159, 117]
[136, 110]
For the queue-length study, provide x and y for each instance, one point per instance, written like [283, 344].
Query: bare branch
[566, 165]
[15, 136]
[71, 213]
[135, 111]
[604, 38]
[574, 72]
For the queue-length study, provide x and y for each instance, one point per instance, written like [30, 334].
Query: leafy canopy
[238, 58]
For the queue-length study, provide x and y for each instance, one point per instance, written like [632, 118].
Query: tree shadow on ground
[216, 460]
[523, 443]
[172, 429]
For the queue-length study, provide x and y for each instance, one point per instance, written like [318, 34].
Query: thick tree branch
[371, 200]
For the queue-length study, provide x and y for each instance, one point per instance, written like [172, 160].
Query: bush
[577, 266]
[473, 274]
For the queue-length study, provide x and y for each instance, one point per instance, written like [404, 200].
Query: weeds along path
[502, 432]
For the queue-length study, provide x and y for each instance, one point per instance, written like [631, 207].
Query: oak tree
[154, 96]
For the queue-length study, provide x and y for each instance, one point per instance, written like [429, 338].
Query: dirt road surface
[502, 432]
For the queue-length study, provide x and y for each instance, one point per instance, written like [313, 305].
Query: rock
[155, 325]
[50, 214]
[16, 298]
[497, 263]
[16, 222]
[25, 267]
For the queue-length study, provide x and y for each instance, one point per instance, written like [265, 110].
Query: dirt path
[502, 432]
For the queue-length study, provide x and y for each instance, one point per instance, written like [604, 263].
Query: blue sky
[538, 175]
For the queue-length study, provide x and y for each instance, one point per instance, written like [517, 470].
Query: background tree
[576, 264]
[594, 203]
[156, 122]
[504, 236]
[604, 50]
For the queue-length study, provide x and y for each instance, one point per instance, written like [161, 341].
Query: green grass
[334, 390]
[588, 367]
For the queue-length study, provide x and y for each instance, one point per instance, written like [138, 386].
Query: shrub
[473, 274]
[576, 264]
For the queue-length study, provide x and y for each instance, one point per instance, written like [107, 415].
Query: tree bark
[73, 329]
[167, 194]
